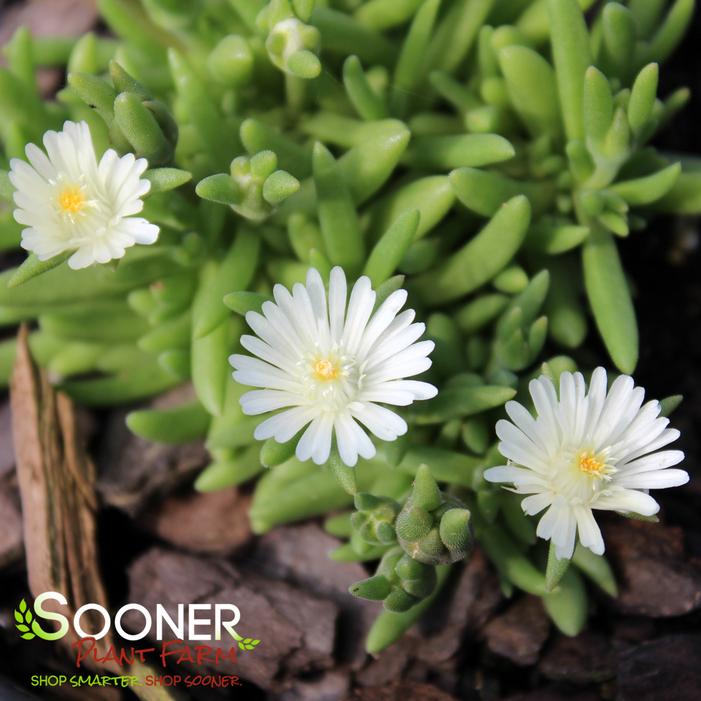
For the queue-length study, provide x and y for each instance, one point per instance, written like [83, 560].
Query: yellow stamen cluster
[592, 465]
[324, 370]
[71, 200]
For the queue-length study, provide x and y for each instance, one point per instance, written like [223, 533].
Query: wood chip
[7, 449]
[59, 504]
[401, 691]
[11, 538]
[656, 578]
[215, 523]
[134, 472]
[299, 554]
[56, 480]
[297, 630]
[62, 18]
[519, 632]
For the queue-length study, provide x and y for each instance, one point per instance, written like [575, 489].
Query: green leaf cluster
[491, 157]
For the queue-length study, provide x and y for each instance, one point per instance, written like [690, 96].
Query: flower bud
[374, 518]
[254, 187]
[400, 582]
[437, 531]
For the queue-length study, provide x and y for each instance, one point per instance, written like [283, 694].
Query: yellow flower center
[592, 465]
[324, 370]
[71, 200]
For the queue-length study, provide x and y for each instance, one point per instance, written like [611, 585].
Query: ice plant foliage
[71, 202]
[490, 157]
[330, 363]
[586, 450]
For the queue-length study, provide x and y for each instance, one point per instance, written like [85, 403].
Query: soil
[643, 646]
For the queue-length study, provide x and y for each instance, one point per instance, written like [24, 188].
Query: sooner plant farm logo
[208, 626]
[27, 621]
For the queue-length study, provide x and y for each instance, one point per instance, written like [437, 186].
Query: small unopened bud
[437, 531]
[426, 493]
[455, 532]
[254, 187]
[413, 522]
[292, 47]
[374, 588]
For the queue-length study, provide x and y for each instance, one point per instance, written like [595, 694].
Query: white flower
[329, 363]
[586, 451]
[70, 202]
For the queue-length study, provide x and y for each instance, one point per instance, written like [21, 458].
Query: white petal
[337, 302]
[260, 401]
[268, 353]
[285, 425]
[627, 500]
[82, 258]
[654, 461]
[315, 442]
[658, 479]
[317, 295]
[345, 439]
[385, 424]
[360, 306]
[589, 531]
[517, 475]
[398, 392]
[535, 503]
[526, 423]
[618, 398]
[381, 320]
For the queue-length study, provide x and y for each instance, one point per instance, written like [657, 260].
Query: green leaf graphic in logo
[248, 643]
[23, 619]
[245, 643]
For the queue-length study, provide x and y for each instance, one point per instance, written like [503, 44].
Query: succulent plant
[488, 157]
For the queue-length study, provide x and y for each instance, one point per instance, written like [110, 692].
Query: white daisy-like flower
[70, 202]
[329, 364]
[584, 451]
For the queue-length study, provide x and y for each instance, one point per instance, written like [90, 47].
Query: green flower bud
[438, 533]
[141, 128]
[420, 587]
[273, 453]
[292, 47]
[374, 518]
[374, 588]
[454, 530]
[425, 493]
[399, 600]
[253, 189]
[413, 522]
[400, 581]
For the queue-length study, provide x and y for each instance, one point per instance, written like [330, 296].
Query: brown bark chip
[461, 611]
[520, 632]
[63, 18]
[215, 523]
[53, 18]
[296, 629]
[134, 471]
[584, 659]
[59, 505]
[7, 450]
[667, 669]
[656, 578]
[400, 691]
[11, 538]
[300, 555]
[56, 480]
